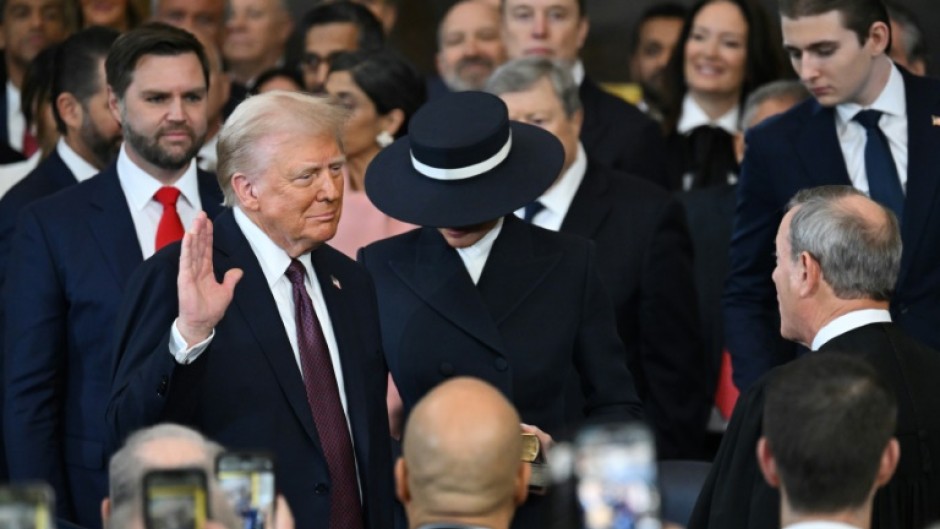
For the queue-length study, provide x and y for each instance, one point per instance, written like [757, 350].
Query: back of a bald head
[462, 447]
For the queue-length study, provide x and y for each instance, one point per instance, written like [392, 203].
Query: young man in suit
[477, 291]
[460, 466]
[289, 361]
[869, 124]
[828, 442]
[615, 133]
[71, 257]
[838, 255]
[644, 256]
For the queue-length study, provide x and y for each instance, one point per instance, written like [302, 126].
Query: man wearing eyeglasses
[332, 28]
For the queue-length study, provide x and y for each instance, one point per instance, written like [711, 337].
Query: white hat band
[469, 171]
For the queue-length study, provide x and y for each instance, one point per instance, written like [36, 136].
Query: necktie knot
[167, 196]
[295, 273]
[531, 210]
[868, 118]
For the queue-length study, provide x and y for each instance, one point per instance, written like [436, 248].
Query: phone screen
[247, 480]
[176, 499]
[616, 468]
[27, 506]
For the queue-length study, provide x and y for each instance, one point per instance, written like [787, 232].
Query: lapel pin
[935, 120]
[336, 283]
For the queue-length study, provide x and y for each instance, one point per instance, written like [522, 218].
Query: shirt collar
[81, 169]
[577, 72]
[849, 322]
[207, 154]
[693, 116]
[139, 186]
[558, 197]
[272, 258]
[481, 248]
[890, 101]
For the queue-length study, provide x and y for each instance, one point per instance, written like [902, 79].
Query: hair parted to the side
[153, 38]
[827, 419]
[521, 74]
[859, 259]
[783, 90]
[267, 115]
[75, 69]
[857, 15]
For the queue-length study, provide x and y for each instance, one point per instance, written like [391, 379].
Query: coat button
[501, 364]
[321, 489]
[161, 389]
[447, 369]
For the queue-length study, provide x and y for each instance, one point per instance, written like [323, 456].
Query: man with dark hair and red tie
[73, 252]
[257, 333]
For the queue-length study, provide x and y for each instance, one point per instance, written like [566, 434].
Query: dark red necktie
[170, 228]
[30, 143]
[323, 398]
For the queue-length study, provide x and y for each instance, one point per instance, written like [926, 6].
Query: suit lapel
[923, 162]
[259, 313]
[589, 207]
[817, 145]
[513, 269]
[59, 175]
[343, 318]
[438, 276]
[209, 193]
[112, 226]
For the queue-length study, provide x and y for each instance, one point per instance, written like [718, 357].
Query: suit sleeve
[36, 314]
[735, 495]
[673, 360]
[609, 390]
[751, 317]
[146, 381]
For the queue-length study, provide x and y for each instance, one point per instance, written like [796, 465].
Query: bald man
[461, 459]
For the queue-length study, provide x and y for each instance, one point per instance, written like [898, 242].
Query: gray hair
[859, 258]
[127, 468]
[774, 91]
[915, 45]
[520, 75]
[265, 115]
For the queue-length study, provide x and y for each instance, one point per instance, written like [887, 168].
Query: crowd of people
[277, 234]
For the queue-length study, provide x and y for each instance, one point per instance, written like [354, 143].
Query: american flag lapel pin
[336, 282]
[935, 121]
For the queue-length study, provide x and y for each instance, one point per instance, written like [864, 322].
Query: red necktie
[30, 144]
[727, 395]
[170, 228]
[323, 398]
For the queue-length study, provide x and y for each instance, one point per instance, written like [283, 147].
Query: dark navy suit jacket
[71, 257]
[800, 149]
[618, 135]
[245, 390]
[644, 257]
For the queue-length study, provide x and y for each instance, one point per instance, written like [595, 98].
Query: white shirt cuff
[186, 355]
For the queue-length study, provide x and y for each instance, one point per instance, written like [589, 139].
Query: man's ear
[246, 190]
[401, 482]
[811, 276]
[105, 512]
[114, 105]
[522, 483]
[70, 110]
[889, 462]
[768, 467]
[878, 36]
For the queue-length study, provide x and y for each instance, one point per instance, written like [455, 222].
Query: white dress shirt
[474, 256]
[557, 200]
[81, 169]
[693, 116]
[849, 322]
[139, 188]
[577, 72]
[16, 122]
[207, 157]
[12, 173]
[893, 123]
[820, 524]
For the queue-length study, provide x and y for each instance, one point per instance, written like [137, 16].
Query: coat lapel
[923, 163]
[817, 145]
[259, 313]
[513, 269]
[438, 276]
[590, 206]
[112, 226]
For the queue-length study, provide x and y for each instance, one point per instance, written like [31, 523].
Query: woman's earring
[384, 139]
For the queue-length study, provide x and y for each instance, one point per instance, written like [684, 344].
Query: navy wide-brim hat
[463, 163]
